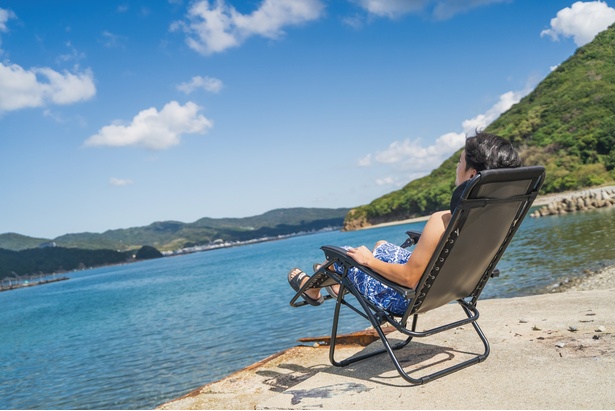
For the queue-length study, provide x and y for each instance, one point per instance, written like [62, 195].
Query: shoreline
[32, 284]
[541, 200]
[601, 279]
[254, 388]
[548, 198]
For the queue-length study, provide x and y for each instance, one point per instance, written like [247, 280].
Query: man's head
[485, 151]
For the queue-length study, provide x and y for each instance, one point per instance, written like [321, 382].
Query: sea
[135, 336]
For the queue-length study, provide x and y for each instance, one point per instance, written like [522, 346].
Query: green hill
[173, 235]
[54, 259]
[24, 264]
[567, 124]
[14, 241]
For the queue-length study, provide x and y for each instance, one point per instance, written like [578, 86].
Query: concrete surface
[551, 351]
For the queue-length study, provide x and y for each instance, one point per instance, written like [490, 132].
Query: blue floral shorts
[376, 292]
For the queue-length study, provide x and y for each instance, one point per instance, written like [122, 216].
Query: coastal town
[15, 282]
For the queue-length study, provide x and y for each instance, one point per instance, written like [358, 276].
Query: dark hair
[485, 151]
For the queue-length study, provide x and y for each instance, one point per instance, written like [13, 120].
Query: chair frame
[472, 201]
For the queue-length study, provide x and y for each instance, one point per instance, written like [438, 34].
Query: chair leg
[351, 360]
[387, 346]
[411, 334]
[479, 331]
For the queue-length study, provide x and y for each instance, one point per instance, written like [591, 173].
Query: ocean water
[135, 336]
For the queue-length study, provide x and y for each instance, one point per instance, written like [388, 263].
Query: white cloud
[72, 55]
[120, 182]
[392, 8]
[505, 102]
[68, 88]
[210, 84]
[112, 40]
[440, 9]
[386, 181]
[5, 15]
[366, 161]
[412, 159]
[38, 87]
[412, 155]
[445, 9]
[215, 28]
[355, 21]
[582, 21]
[153, 129]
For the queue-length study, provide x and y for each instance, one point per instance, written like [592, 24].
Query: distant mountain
[23, 265]
[48, 260]
[14, 241]
[173, 235]
[567, 124]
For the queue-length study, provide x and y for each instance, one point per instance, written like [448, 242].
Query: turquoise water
[137, 335]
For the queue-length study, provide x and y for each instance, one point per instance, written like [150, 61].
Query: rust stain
[362, 338]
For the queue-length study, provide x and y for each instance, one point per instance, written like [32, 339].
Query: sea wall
[578, 201]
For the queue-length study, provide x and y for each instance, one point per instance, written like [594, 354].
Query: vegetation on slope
[566, 124]
[54, 259]
[37, 261]
[173, 235]
[14, 241]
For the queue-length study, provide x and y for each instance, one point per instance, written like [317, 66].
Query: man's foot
[332, 290]
[296, 279]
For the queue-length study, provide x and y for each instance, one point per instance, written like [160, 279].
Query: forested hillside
[54, 259]
[173, 235]
[567, 124]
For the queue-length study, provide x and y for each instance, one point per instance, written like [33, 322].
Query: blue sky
[116, 114]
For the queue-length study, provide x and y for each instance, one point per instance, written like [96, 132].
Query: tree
[147, 252]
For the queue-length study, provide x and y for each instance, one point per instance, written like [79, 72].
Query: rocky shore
[603, 279]
[575, 201]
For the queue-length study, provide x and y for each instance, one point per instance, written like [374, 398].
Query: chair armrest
[413, 238]
[340, 255]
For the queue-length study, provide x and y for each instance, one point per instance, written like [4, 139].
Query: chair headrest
[457, 195]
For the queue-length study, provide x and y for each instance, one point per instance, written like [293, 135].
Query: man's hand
[361, 255]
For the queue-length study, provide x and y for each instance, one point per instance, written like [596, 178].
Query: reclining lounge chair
[487, 216]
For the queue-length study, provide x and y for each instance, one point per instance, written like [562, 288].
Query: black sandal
[328, 288]
[295, 282]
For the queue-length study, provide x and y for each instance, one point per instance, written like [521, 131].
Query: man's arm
[410, 273]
